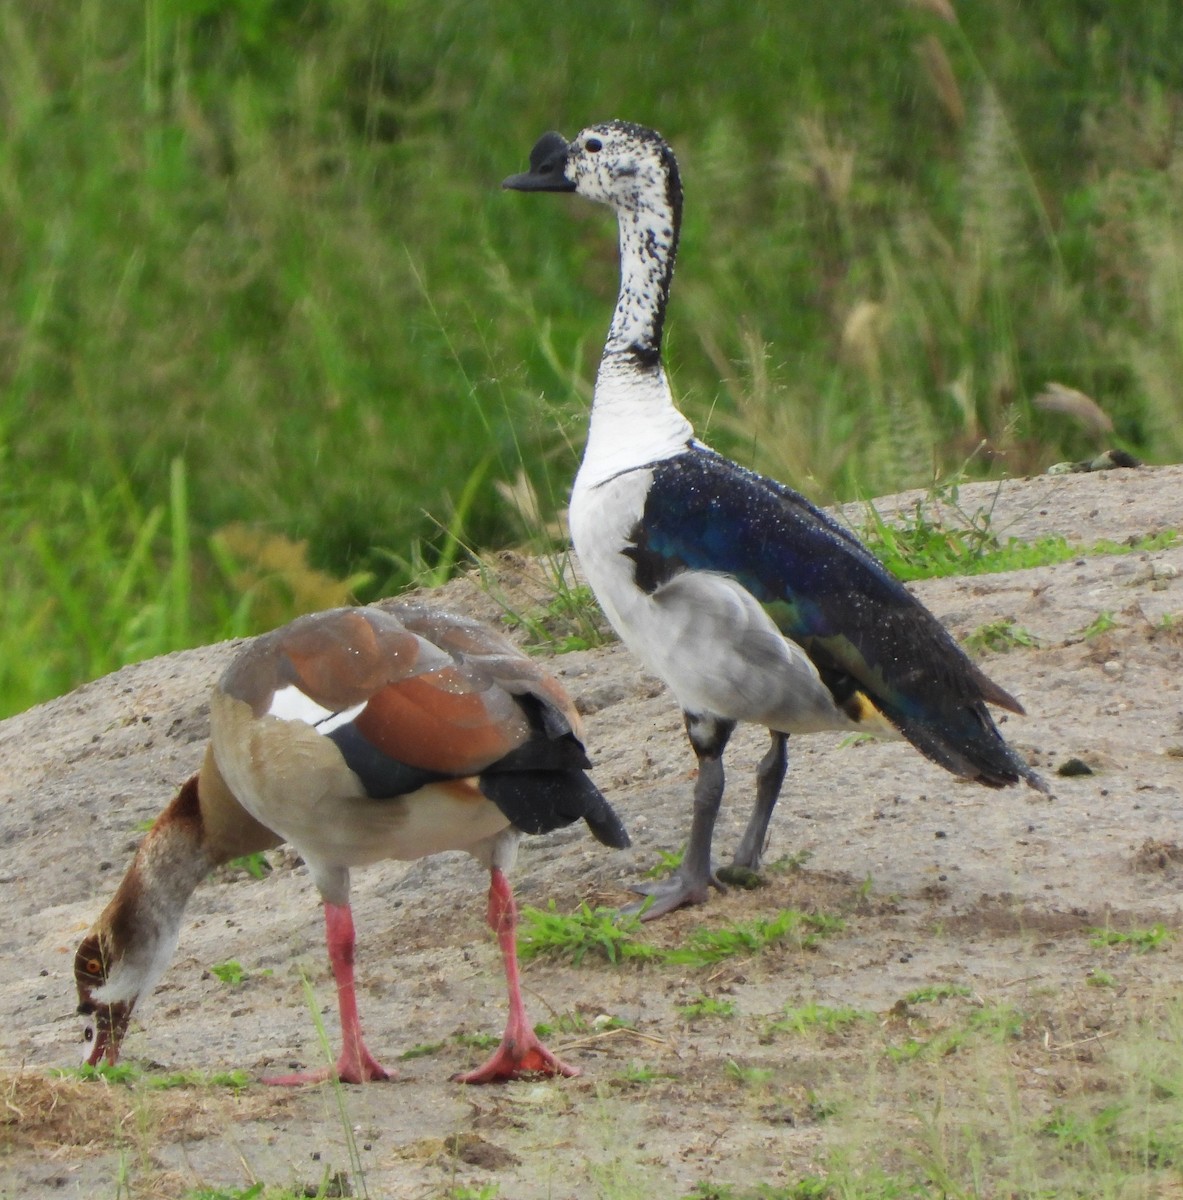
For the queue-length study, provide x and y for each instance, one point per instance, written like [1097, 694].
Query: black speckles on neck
[645, 357]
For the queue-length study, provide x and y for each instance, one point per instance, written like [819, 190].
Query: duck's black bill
[547, 160]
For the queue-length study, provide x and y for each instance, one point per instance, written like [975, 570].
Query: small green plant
[750, 1077]
[236, 1079]
[809, 1188]
[576, 1023]
[253, 1192]
[126, 1073]
[1000, 636]
[704, 947]
[476, 1041]
[1102, 624]
[570, 620]
[917, 546]
[601, 932]
[818, 1016]
[1100, 979]
[422, 1050]
[999, 1022]
[486, 1191]
[668, 861]
[1074, 1129]
[640, 1074]
[996, 1023]
[707, 1006]
[936, 991]
[119, 1073]
[788, 863]
[232, 973]
[1140, 940]
[255, 865]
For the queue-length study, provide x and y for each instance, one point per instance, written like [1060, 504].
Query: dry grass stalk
[1058, 398]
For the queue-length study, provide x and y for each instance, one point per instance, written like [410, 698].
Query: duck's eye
[592, 145]
[94, 967]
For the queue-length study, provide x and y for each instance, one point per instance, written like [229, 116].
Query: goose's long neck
[634, 420]
[143, 919]
[202, 828]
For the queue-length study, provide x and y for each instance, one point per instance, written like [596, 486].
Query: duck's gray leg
[692, 881]
[770, 775]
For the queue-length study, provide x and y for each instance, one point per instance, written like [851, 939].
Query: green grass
[821, 1018]
[231, 973]
[1140, 940]
[935, 992]
[330, 1187]
[996, 1023]
[604, 934]
[707, 1006]
[1000, 636]
[918, 545]
[127, 1074]
[258, 272]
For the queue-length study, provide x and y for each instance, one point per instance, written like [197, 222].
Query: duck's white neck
[633, 419]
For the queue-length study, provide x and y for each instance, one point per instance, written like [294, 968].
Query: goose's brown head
[106, 1019]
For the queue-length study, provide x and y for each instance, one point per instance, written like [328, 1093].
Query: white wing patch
[291, 704]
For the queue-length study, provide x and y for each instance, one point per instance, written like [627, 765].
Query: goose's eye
[592, 145]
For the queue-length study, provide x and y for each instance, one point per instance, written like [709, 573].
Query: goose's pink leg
[356, 1064]
[520, 1052]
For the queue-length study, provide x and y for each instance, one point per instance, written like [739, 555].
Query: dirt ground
[939, 883]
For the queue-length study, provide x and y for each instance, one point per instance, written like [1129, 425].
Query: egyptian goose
[357, 735]
[749, 602]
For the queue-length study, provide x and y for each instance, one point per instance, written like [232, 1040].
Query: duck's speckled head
[618, 163]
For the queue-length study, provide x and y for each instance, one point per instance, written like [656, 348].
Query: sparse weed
[937, 991]
[809, 1188]
[1077, 1129]
[486, 1191]
[602, 932]
[423, 1050]
[754, 1078]
[476, 1041]
[706, 946]
[570, 620]
[231, 973]
[788, 863]
[119, 1073]
[706, 1006]
[570, 1023]
[256, 865]
[1102, 624]
[1140, 940]
[820, 1017]
[668, 861]
[995, 1023]
[610, 935]
[641, 1074]
[915, 547]
[1000, 636]
[127, 1074]
[253, 1192]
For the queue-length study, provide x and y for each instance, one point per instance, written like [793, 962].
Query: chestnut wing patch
[436, 722]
